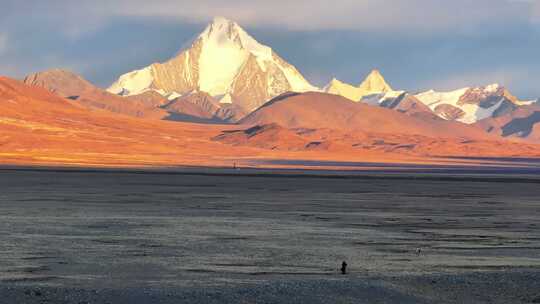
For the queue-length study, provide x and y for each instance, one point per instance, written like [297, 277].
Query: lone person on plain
[344, 267]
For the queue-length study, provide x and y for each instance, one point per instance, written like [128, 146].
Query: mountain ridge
[470, 104]
[373, 83]
[74, 87]
[38, 127]
[322, 110]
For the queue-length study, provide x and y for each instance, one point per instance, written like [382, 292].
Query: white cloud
[423, 15]
[390, 15]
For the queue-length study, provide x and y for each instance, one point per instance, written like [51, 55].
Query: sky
[417, 44]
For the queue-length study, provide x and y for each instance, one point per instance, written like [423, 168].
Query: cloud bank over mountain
[393, 15]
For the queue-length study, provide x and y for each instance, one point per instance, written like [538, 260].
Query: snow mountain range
[467, 105]
[225, 74]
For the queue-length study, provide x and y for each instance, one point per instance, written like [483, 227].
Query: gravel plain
[248, 236]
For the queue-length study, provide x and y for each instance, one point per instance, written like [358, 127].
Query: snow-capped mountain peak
[375, 83]
[470, 104]
[223, 60]
[492, 88]
[223, 32]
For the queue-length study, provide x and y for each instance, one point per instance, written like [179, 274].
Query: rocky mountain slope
[194, 107]
[40, 127]
[201, 107]
[523, 123]
[74, 87]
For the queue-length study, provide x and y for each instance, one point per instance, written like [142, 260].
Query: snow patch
[492, 88]
[133, 83]
[378, 99]
[172, 95]
[527, 102]
[225, 99]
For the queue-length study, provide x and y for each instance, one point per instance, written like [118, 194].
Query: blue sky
[417, 44]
